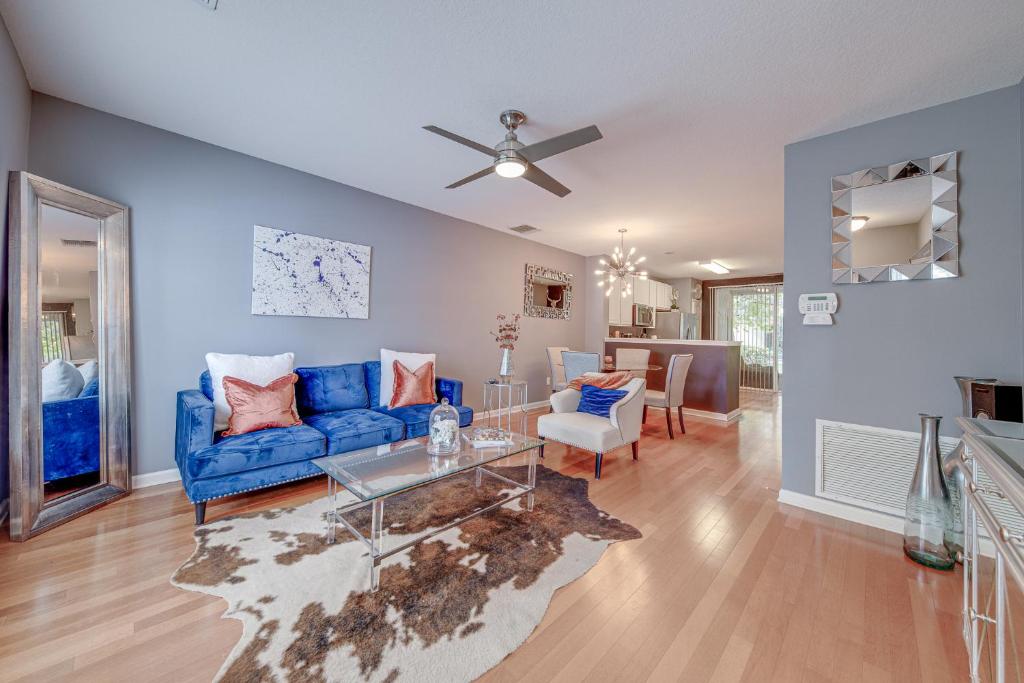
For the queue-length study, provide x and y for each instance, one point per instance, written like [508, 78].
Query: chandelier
[621, 268]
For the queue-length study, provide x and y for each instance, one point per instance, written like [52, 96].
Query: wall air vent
[524, 229]
[871, 467]
[78, 243]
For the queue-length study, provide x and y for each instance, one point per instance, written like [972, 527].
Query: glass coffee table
[377, 473]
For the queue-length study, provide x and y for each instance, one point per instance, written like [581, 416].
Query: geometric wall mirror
[896, 222]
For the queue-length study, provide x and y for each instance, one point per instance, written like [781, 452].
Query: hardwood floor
[726, 585]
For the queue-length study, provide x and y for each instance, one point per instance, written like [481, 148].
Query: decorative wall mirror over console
[547, 293]
[896, 222]
[70, 358]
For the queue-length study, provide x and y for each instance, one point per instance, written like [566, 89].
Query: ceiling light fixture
[621, 267]
[858, 222]
[715, 267]
[508, 166]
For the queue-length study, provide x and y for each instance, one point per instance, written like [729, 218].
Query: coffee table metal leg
[376, 542]
[332, 512]
[532, 479]
[479, 477]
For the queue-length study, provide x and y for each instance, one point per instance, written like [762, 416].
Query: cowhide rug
[448, 609]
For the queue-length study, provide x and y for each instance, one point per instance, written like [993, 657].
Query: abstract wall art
[295, 274]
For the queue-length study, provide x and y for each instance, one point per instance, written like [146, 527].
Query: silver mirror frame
[940, 258]
[530, 308]
[29, 514]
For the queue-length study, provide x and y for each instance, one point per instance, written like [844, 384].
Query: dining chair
[634, 360]
[575, 363]
[556, 371]
[675, 386]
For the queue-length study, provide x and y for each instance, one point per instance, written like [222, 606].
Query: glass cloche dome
[443, 429]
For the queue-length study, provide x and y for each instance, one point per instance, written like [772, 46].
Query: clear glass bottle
[928, 505]
[443, 429]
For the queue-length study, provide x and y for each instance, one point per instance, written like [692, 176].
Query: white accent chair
[672, 397]
[556, 371]
[591, 432]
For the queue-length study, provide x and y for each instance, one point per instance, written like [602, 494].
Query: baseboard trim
[141, 481]
[859, 515]
[720, 417]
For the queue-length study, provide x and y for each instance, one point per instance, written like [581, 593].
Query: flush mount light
[621, 267]
[509, 166]
[715, 267]
[858, 222]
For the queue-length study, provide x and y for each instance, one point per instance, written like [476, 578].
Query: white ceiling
[64, 270]
[696, 100]
[901, 202]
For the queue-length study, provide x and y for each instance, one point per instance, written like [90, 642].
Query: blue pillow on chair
[597, 401]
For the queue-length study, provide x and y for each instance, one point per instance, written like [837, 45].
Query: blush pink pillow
[254, 407]
[413, 388]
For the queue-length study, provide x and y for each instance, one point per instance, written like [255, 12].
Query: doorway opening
[752, 315]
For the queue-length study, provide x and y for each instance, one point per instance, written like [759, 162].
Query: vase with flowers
[506, 336]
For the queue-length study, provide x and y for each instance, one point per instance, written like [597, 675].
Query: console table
[993, 467]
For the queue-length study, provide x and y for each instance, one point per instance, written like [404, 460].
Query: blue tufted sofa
[340, 411]
[71, 434]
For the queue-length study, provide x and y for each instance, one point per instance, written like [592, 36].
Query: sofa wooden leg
[645, 415]
[682, 424]
[597, 466]
[636, 449]
[200, 513]
[668, 419]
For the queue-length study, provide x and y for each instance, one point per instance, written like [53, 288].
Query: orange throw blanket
[602, 380]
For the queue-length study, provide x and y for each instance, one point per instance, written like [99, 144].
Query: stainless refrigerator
[677, 325]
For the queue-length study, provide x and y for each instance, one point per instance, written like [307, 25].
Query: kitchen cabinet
[662, 298]
[642, 290]
[626, 308]
[615, 305]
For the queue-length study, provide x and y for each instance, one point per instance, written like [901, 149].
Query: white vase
[506, 369]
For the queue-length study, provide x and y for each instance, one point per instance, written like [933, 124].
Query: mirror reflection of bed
[68, 265]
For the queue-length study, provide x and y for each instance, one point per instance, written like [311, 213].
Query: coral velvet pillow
[413, 388]
[254, 407]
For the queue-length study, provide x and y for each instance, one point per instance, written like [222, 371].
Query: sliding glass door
[752, 315]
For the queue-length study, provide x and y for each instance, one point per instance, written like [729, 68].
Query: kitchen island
[713, 383]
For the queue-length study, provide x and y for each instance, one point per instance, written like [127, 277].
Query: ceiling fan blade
[560, 143]
[542, 179]
[489, 151]
[471, 178]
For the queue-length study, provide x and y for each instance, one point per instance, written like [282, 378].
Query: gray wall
[14, 122]
[436, 282]
[895, 346]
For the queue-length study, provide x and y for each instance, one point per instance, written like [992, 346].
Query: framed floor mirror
[69, 353]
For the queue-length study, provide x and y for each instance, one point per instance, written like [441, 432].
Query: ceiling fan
[513, 159]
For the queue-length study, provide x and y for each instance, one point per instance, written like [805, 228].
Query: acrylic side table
[505, 405]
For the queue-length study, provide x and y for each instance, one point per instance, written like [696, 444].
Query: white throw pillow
[413, 361]
[89, 371]
[261, 370]
[61, 381]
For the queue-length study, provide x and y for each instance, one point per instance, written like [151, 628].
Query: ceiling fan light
[509, 167]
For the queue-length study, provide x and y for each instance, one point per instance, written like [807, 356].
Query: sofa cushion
[61, 381]
[348, 430]
[259, 370]
[232, 454]
[415, 417]
[327, 388]
[91, 389]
